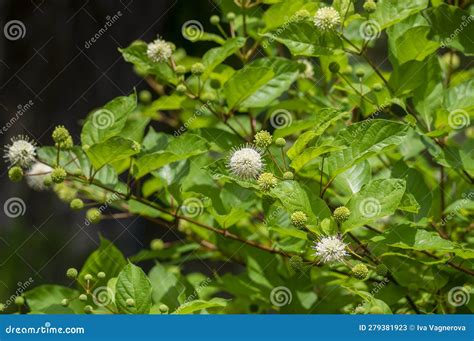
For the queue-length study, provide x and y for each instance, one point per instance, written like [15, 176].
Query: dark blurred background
[51, 67]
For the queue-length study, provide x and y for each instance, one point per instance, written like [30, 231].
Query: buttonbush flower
[341, 214]
[21, 152]
[38, 176]
[15, 174]
[263, 139]
[58, 175]
[159, 50]
[299, 219]
[330, 249]
[246, 162]
[296, 262]
[267, 181]
[360, 271]
[327, 19]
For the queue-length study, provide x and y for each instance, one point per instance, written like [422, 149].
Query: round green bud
[71, 273]
[376, 310]
[88, 309]
[263, 139]
[215, 20]
[266, 181]
[208, 97]
[68, 144]
[94, 215]
[157, 244]
[381, 270]
[215, 83]
[180, 69]
[377, 87]
[299, 219]
[58, 175]
[288, 176]
[164, 308]
[83, 297]
[296, 262]
[76, 204]
[360, 271]
[15, 174]
[197, 69]
[280, 142]
[130, 302]
[451, 59]
[88, 277]
[230, 16]
[359, 73]
[65, 302]
[145, 96]
[181, 89]
[47, 181]
[334, 67]
[60, 134]
[19, 300]
[101, 275]
[370, 6]
[341, 214]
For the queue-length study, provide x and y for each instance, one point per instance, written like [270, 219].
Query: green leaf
[166, 286]
[198, 305]
[260, 82]
[310, 154]
[136, 54]
[217, 55]
[390, 12]
[283, 12]
[303, 39]
[375, 200]
[107, 258]
[177, 149]
[364, 139]
[43, 297]
[114, 149]
[133, 283]
[107, 121]
[352, 180]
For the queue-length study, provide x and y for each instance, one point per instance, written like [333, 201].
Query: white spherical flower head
[21, 152]
[246, 162]
[330, 249]
[37, 175]
[159, 50]
[327, 19]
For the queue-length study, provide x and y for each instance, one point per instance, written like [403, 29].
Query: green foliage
[371, 168]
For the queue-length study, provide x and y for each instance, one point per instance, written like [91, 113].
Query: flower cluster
[330, 249]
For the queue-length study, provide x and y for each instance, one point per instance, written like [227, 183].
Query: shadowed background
[61, 79]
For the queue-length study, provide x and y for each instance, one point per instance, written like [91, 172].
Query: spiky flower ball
[299, 219]
[197, 69]
[308, 70]
[360, 271]
[180, 70]
[159, 50]
[327, 19]
[263, 139]
[71, 273]
[60, 135]
[381, 270]
[15, 174]
[21, 152]
[246, 162]
[288, 175]
[341, 214]
[370, 6]
[280, 142]
[296, 262]
[76, 204]
[38, 176]
[94, 215]
[330, 249]
[266, 181]
[58, 175]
